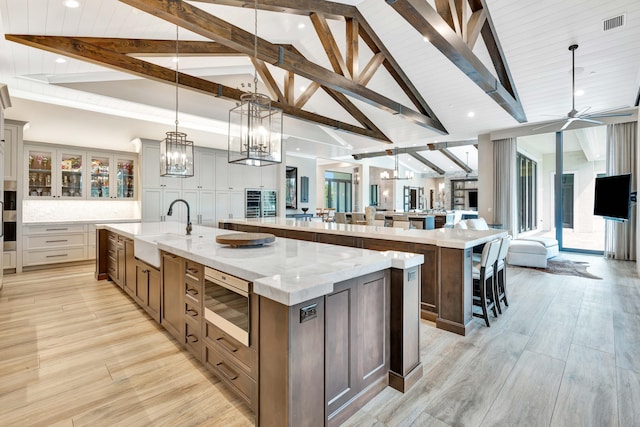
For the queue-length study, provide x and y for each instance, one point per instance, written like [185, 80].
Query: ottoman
[527, 253]
[551, 245]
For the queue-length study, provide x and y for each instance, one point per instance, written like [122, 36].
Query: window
[527, 206]
[337, 191]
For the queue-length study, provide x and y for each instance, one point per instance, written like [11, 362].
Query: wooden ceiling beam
[200, 22]
[147, 47]
[374, 43]
[268, 80]
[446, 144]
[476, 22]
[352, 41]
[371, 68]
[430, 24]
[289, 87]
[355, 112]
[462, 165]
[330, 10]
[308, 93]
[329, 44]
[427, 163]
[84, 51]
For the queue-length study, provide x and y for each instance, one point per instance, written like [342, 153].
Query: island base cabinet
[148, 289]
[172, 297]
[330, 359]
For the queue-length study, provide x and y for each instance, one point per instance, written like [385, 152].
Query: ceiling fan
[582, 116]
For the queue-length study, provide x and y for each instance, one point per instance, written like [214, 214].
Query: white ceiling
[84, 104]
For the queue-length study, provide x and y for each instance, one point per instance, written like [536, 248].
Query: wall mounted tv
[613, 196]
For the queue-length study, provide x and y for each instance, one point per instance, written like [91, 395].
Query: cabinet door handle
[145, 271]
[192, 292]
[226, 371]
[56, 241]
[191, 312]
[56, 256]
[192, 338]
[56, 229]
[227, 345]
[193, 271]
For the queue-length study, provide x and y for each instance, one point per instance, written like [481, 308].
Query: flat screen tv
[612, 198]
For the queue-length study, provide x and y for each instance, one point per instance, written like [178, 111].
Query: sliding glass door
[337, 191]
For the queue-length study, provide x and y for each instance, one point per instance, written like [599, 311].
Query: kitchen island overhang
[308, 294]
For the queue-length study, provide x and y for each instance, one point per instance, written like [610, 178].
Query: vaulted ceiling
[352, 76]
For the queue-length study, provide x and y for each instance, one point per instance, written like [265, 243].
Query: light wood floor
[78, 352]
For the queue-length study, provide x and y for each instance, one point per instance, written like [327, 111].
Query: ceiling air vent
[615, 22]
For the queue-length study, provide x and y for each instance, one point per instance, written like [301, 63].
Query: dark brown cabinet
[148, 289]
[172, 296]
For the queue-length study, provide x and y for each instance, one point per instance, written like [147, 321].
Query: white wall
[306, 167]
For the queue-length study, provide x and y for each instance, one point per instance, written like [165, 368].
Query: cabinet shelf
[48, 171]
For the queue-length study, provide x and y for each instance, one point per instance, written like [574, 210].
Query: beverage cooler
[260, 203]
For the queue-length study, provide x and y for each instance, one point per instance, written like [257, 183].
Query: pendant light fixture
[255, 127]
[396, 173]
[176, 153]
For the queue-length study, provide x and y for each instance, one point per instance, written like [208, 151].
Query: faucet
[170, 212]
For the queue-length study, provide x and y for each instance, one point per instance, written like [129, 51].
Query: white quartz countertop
[287, 271]
[444, 237]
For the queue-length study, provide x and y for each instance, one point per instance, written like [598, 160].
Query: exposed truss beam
[268, 80]
[462, 165]
[371, 68]
[430, 24]
[352, 41]
[142, 47]
[308, 93]
[429, 147]
[198, 21]
[295, 7]
[474, 26]
[446, 144]
[329, 43]
[82, 50]
[427, 163]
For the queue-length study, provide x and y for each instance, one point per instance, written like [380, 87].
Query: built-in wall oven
[227, 304]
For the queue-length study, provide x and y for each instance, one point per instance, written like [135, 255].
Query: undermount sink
[146, 249]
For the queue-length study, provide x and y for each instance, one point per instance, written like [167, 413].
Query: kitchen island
[446, 279]
[304, 332]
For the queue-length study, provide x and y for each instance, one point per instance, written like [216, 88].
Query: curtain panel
[504, 185]
[620, 237]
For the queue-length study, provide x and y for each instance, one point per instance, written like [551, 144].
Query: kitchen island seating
[483, 271]
[500, 282]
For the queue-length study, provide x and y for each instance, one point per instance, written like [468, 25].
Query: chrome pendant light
[176, 153]
[255, 127]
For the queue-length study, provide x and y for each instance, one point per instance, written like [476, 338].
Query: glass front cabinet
[63, 173]
[54, 174]
[112, 177]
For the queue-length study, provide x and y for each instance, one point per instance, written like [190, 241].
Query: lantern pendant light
[176, 153]
[255, 127]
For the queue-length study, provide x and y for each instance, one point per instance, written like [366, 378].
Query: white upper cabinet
[112, 176]
[204, 175]
[54, 173]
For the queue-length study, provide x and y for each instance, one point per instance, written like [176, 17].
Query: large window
[527, 178]
[337, 191]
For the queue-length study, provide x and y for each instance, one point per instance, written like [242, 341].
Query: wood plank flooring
[77, 352]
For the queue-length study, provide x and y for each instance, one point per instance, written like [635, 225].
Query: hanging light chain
[177, 62]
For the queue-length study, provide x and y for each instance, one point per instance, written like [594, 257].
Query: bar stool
[483, 271]
[500, 282]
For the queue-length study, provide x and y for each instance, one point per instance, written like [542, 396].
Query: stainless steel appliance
[260, 203]
[227, 304]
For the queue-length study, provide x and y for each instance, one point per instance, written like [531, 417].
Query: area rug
[568, 268]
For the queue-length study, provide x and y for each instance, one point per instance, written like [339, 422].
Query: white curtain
[620, 237]
[505, 184]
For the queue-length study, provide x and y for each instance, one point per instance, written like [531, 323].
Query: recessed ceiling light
[425, 39]
[301, 26]
[175, 59]
[298, 149]
[303, 88]
[72, 4]
[60, 60]
[471, 114]
[579, 92]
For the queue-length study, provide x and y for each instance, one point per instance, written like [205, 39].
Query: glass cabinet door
[41, 179]
[125, 179]
[71, 184]
[100, 168]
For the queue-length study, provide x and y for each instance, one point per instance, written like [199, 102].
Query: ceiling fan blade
[597, 116]
[583, 111]
[609, 110]
[546, 126]
[567, 124]
[583, 119]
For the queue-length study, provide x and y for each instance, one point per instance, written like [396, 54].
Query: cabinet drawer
[192, 339]
[54, 241]
[52, 256]
[241, 355]
[193, 292]
[91, 252]
[54, 229]
[9, 259]
[228, 372]
[193, 314]
[194, 272]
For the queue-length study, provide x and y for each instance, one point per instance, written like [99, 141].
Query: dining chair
[483, 272]
[500, 282]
